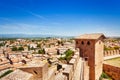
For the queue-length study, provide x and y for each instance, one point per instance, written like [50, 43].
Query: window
[82, 43]
[35, 72]
[86, 59]
[76, 42]
[88, 43]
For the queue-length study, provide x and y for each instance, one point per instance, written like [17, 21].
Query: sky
[60, 17]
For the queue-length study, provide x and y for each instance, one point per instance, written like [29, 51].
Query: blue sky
[60, 17]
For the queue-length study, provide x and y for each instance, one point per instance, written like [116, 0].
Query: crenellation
[111, 53]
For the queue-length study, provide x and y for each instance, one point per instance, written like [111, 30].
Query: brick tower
[91, 50]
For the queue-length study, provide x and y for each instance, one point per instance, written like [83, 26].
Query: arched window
[76, 42]
[88, 43]
[82, 43]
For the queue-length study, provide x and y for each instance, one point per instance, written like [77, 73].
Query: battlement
[111, 54]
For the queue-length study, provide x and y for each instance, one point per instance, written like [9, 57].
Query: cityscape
[59, 40]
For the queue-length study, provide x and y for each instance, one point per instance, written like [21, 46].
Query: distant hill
[31, 36]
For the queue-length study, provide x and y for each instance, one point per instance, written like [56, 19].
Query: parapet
[111, 52]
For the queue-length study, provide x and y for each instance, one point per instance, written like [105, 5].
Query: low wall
[112, 71]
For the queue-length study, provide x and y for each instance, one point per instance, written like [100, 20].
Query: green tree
[1, 44]
[14, 48]
[104, 76]
[41, 51]
[59, 42]
[21, 48]
[6, 73]
[28, 47]
[68, 54]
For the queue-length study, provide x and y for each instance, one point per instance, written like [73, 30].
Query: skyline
[60, 17]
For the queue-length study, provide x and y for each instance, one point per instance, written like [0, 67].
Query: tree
[21, 48]
[104, 76]
[2, 44]
[28, 47]
[68, 54]
[41, 51]
[39, 45]
[14, 48]
[6, 73]
[59, 42]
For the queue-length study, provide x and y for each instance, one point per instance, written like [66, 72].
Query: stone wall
[112, 71]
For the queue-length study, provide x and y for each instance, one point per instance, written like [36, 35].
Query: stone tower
[91, 50]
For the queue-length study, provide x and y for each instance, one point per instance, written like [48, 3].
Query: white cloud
[37, 15]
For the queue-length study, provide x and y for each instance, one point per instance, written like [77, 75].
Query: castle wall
[112, 71]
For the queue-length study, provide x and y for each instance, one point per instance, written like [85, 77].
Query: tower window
[76, 42]
[88, 43]
[82, 43]
[86, 59]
